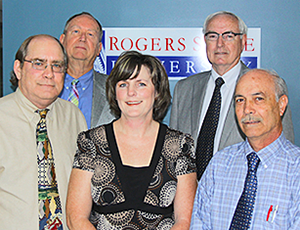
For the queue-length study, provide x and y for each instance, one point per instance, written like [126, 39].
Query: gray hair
[100, 33]
[242, 26]
[280, 85]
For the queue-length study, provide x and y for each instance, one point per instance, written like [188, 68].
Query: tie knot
[253, 161]
[74, 82]
[219, 82]
[42, 112]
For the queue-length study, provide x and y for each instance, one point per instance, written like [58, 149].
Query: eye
[91, 35]
[142, 84]
[75, 31]
[57, 65]
[228, 36]
[239, 100]
[259, 98]
[212, 36]
[38, 63]
[122, 85]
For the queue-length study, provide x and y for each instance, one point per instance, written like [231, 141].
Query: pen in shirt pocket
[272, 213]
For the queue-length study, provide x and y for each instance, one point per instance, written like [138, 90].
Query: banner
[181, 50]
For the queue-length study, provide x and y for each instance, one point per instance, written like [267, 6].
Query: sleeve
[186, 162]
[201, 216]
[85, 153]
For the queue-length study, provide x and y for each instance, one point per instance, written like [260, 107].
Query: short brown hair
[126, 65]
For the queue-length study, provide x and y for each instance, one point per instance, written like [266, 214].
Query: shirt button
[83, 88]
[265, 166]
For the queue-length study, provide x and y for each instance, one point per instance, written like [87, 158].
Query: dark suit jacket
[187, 104]
[100, 108]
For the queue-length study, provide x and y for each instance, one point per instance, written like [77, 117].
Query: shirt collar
[270, 152]
[84, 80]
[229, 77]
[29, 109]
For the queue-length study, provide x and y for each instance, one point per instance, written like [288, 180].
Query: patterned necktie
[50, 213]
[74, 95]
[205, 141]
[243, 212]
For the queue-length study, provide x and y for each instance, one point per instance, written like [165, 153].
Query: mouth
[251, 122]
[133, 102]
[80, 47]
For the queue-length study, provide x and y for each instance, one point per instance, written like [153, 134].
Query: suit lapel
[230, 124]
[98, 95]
[199, 90]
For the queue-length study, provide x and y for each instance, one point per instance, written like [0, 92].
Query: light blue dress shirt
[277, 204]
[85, 90]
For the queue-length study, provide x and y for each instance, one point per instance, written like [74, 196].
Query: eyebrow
[45, 60]
[253, 94]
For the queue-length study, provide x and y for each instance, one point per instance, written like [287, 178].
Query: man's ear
[100, 48]
[17, 69]
[283, 101]
[62, 38]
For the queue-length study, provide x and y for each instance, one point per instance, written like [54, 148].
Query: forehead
[222, 23]
[255, 82]
[45, 48]
[84, 21]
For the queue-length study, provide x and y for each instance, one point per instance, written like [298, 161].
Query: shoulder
[99, 76]
[196, 78]
[291, 152]
[173, 133]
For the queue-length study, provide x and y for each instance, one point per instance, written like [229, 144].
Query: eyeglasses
[227, 36]
[42, 65]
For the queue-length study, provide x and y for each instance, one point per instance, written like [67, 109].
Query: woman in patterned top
[134, 173]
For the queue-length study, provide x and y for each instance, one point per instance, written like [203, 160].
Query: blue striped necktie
[74, 95]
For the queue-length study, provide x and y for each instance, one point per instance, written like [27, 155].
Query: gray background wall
[279, 22]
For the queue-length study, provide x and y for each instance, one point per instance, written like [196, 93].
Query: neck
[258, 143]
[135, 127]
[78, 68]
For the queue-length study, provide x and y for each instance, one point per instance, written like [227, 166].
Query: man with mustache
[225, 36]
[83, 85]
[254, 184]
[38, 133]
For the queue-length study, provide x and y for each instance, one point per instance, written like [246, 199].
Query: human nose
[220, 40]
[48, 72]
[249, 108]
[131, 90]
[82, 37]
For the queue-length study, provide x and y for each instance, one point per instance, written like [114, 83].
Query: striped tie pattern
[243, 213]
[74, 95]
[50, 212]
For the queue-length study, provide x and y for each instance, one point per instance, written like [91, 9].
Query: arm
[79, 200]
[184, 198]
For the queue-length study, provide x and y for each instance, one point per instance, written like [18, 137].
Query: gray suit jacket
[100, 109]
[186, 110]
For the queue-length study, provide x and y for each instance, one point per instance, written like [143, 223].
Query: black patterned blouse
[126, 197]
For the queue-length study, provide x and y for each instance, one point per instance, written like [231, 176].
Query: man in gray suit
[83, 85]
[225, 38]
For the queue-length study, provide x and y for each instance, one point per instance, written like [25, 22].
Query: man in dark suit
[225, 36]
[83, 85]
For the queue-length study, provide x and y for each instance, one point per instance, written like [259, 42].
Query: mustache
[250, 118]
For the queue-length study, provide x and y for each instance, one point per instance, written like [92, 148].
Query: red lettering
[144, 45]
[197, 42]
[155, 42]
[169, 42]
[180, 41]
[249, 44]
[122, 43]
[113, 43]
